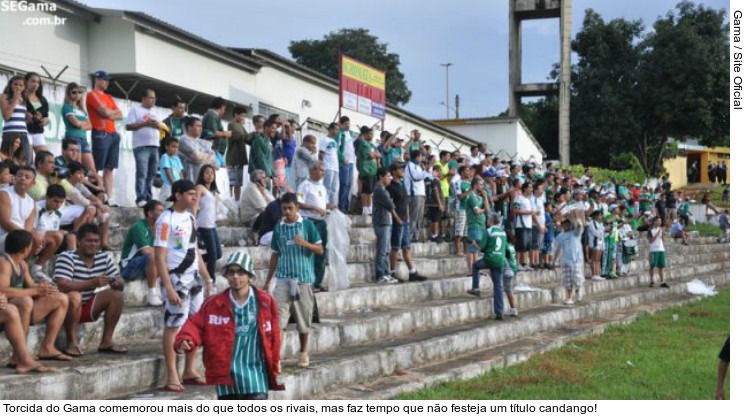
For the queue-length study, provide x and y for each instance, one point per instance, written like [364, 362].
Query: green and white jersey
[248, 367]
[494, 245]
[295, 262]
[472, 202]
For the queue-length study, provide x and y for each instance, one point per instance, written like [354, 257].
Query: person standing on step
[294, 243]
[476, 209]
[596, 236]
[241, 350]
[178, 262]
[138, 252]
[236, 157]
[570, 254]
[314, 205]
[493, 245]
[401, 233]
[175, 122]
[368, 158]
[383, 215]
[103, 113]
[328, 154]
[206, 218]
[38, 107]
[415, 176]
[523, 225]
[145, 142]
[511, 268]
[657, 253]
[212, 123]
[347, 160]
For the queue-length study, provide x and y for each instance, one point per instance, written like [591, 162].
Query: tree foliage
[633, 91]
[322, 55]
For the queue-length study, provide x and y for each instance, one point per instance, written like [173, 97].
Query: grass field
[706, 230]
[656, 357]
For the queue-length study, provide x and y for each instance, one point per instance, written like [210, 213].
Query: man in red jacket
[239, 329]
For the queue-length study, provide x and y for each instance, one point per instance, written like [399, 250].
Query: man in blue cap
[103, 114]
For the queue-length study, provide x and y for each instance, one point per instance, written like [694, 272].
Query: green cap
[242, 259]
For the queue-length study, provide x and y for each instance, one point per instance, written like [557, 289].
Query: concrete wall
[509, 137]
[26, 47]
[111, 46]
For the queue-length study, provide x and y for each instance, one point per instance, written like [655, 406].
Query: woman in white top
[13, 105]
[206, 219]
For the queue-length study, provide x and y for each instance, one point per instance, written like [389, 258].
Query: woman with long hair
[11, 149]
[206, 218]
[13, 105]
[77, 126]
[38, 109]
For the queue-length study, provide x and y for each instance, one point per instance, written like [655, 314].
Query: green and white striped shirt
[248, 368]
[295, 262]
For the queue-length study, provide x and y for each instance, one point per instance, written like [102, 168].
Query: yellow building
[677, 167]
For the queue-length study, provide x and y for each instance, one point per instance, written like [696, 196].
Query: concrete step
[430, 259]
[405, 348]
[480, 362]
[362, 310]
[470, 349]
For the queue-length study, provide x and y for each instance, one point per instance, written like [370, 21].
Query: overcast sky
[471, 34]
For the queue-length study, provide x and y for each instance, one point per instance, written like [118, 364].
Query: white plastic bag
[227, 209]
[697, 287]
[337, 249]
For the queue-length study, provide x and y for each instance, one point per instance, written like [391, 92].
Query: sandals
[74, 351]
[113, 349]
[56, 357]
[195, 381]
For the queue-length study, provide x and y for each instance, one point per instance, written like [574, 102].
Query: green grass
[655, 357]
[706, 230]
[697, 191]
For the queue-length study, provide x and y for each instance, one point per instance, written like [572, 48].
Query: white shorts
[69, 212]
[38, 140]
[190, 290]
[460, 222]
[265, 240]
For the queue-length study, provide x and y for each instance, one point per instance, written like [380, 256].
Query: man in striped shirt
[78, 274]
[293, 244]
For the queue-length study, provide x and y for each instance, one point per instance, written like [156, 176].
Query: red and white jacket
[214, 328]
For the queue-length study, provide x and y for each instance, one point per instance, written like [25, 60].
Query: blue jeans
[382, 256]
[346, 176]
[136, 268]
[214, 249]
[498, 286]
[330, 181]
[146, 159]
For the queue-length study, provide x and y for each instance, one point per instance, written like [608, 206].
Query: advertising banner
[362, 88]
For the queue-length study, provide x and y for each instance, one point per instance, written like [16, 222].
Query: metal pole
[446, 68]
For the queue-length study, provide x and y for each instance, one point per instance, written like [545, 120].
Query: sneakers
[304, 360]
[513, 312]
[141, 204]
[598, 278]
[415, 277]
[386, 280]
[569, 302]
[664, 285]
[153, 298]
[474, 292]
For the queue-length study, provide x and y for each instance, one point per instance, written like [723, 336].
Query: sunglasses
[233, 272]
[76, 92]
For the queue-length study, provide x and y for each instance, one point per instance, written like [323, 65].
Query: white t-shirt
[657, 244]
[48, 221]
[147, 136]
[177, 232]
[329, 147]
[313, 194]
[20, 208]
[349, 153]
[523, 221]
[475, 160]
[538, 203]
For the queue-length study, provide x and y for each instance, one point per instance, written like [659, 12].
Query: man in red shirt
[103, 113]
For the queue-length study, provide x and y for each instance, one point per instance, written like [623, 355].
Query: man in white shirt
[346, 167]
[313, 199]
[145, 141]
[537, 200]
[329, 155]
[475, 158]
[523, 225]
[416, 189]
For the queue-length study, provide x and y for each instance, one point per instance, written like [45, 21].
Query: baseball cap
[102, 75]
[243, 260]
[396, 165]
[613, 207]
[365, 129]
[180, 186]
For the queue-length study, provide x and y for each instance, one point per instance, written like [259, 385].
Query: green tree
[541, 117]
[323, 55]
[684, 80]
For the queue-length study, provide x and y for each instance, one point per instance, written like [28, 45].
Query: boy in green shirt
[475, 206]
[138, 254]
[367, 158]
